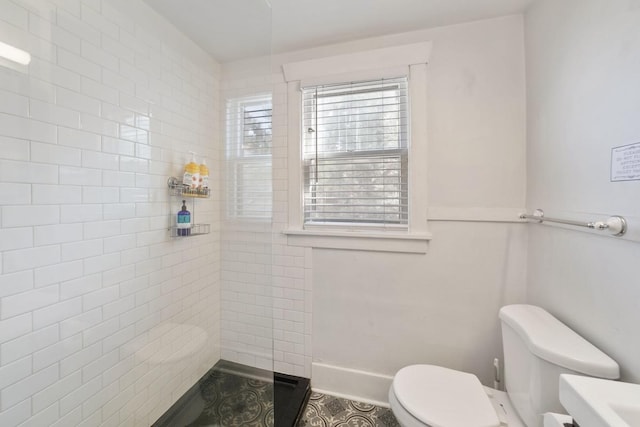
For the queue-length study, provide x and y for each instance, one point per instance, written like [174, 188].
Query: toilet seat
[441, 397]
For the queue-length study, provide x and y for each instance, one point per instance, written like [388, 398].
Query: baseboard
[351, 384]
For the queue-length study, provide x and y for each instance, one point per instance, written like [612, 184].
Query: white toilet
[537, 349]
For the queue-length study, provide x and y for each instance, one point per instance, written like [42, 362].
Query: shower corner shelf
[176, 189]
[195, 230]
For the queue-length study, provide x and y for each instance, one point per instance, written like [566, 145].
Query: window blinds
[248, 153]
[355, 152]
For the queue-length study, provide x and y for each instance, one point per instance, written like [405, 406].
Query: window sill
[355, 240]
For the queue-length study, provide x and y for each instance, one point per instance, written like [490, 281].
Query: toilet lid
[441, 397]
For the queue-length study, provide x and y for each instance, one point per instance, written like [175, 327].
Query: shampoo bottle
[191, 177]
[204, 176]
[183, 222]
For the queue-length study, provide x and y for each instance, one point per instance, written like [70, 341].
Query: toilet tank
[537, 349]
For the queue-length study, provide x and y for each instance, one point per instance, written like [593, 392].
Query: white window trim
[378, 63]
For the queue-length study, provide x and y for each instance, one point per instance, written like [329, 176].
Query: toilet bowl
[537, 349]
[453, 399]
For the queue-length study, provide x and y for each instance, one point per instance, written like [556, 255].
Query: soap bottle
[183, 223]
[204, 177]
[191, 177]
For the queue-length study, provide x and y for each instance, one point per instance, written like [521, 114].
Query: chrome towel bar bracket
[615, 225]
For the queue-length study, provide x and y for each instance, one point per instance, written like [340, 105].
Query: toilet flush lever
[496, 373]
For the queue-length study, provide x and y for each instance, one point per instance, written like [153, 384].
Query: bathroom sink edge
[595, 402]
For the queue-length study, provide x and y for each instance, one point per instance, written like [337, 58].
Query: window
[248, 155]
[355, 153]
[357, 128]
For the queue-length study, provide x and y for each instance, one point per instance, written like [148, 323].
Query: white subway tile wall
[266, 284]
[292, 265]
[104, 319]
[246, 301]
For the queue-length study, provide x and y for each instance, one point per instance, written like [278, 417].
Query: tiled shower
[104, 318]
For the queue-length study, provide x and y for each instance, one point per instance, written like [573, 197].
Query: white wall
[98, 306]
[583, 62]
[376, 312]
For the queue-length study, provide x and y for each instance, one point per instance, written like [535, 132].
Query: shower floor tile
[225, 399]
[233, 400]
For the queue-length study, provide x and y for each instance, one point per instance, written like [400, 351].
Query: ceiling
[236, 29]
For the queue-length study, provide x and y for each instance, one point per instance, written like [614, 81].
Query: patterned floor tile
[329, 411]
[235, 401]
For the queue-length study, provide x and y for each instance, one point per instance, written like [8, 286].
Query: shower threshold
[232, 395]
